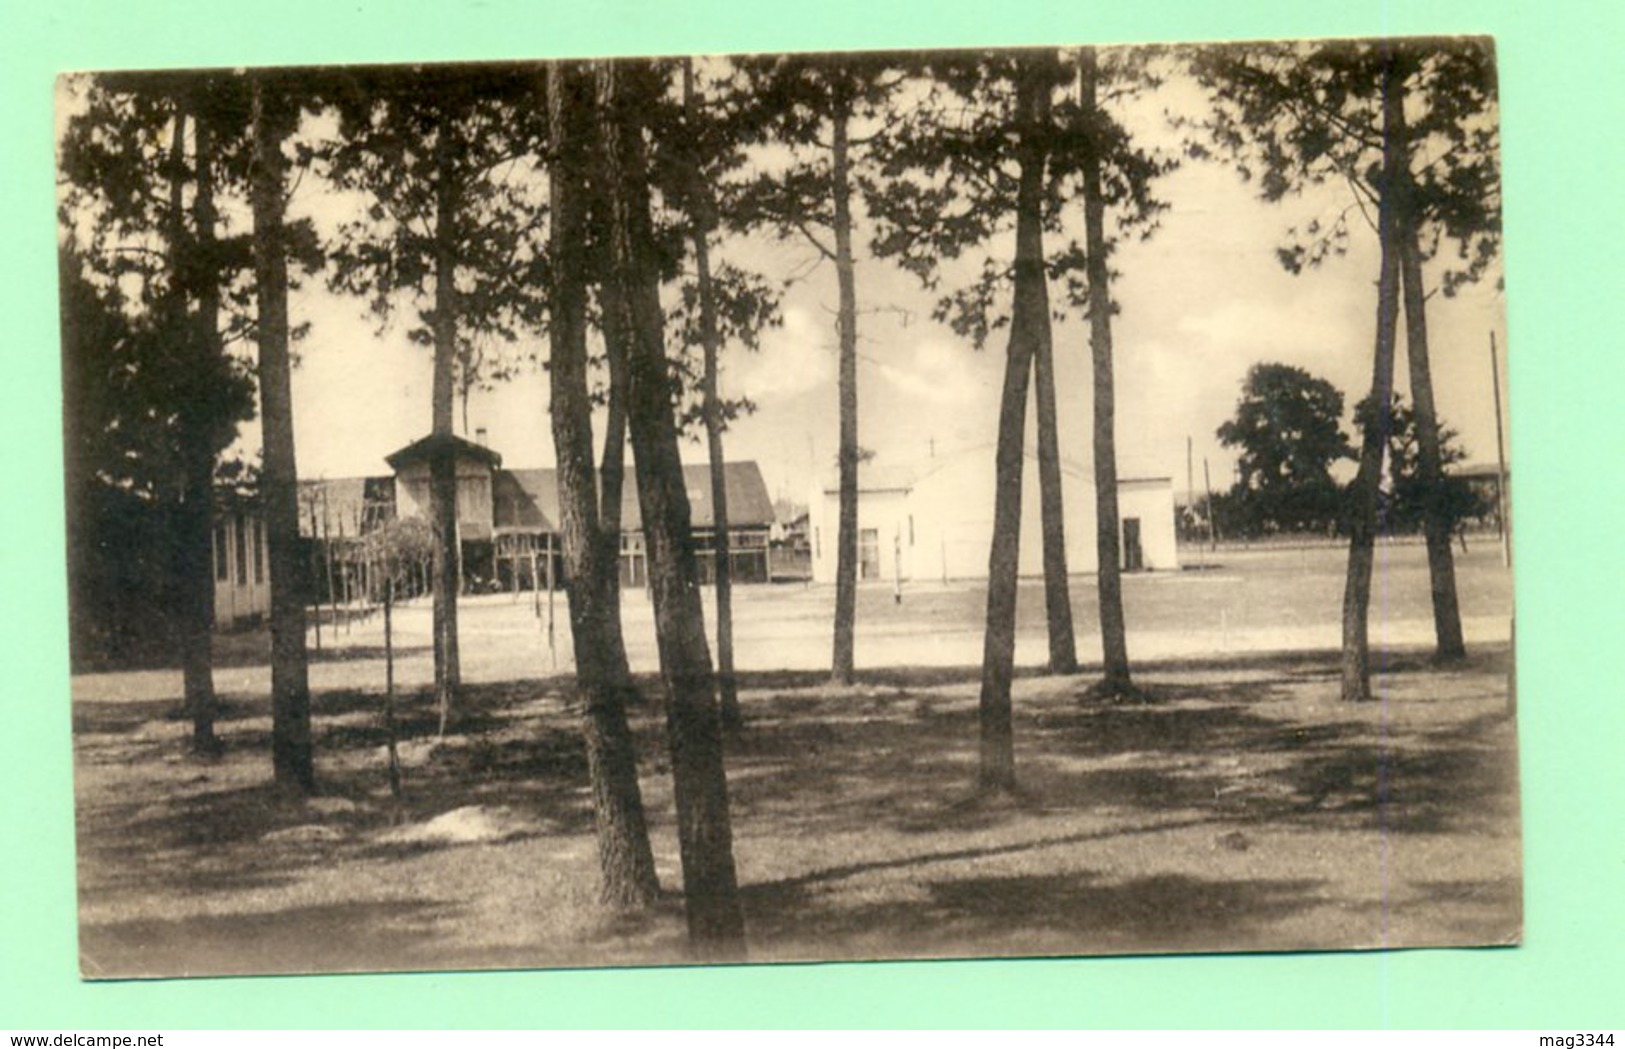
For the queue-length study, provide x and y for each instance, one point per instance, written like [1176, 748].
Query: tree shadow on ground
[896, 677]
[874, 783]
[127, 715]
[1494, 906]
[1158, 912]
[910, 861]
[361, 653]
[1231, 752]
[898, 763]
[204, 811]
[1400, 788]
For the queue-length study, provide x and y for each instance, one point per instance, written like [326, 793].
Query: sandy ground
[1231, 603]
[1242, 807]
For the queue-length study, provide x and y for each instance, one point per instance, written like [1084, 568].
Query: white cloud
[794, 358]
[939, 373]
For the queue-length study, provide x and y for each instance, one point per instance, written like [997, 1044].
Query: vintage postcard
[1039, 502]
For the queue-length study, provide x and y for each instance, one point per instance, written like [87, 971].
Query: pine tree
[625, 92]
[447, 226]
[812, 104]
[1313, 113]
[626, 862]
[129, 170]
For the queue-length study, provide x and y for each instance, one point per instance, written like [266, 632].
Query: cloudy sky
[1200, 302]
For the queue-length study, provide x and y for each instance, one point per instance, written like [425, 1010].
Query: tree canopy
[1288, 434]
[1297, 114]
[1407, 496]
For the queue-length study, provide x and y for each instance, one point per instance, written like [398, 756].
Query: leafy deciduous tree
[1288, 430]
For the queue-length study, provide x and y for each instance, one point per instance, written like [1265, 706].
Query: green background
[1562, 93]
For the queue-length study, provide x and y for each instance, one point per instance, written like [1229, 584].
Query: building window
[222, 555]
[242, 550]
[259, 551]
[910, 529]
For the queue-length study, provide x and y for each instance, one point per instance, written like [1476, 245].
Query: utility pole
[1190, 499]
[897, 565]
[1190, 482]
[316, 536]
[327, 561]
[1212, 521]
[344, 577]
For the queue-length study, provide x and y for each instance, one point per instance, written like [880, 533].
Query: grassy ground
[1241, 808]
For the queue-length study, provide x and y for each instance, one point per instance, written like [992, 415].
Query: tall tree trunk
[626, 863]
[1063, 646]
[1356, 657]
[1437, 524]
[705, 835]
[391, 728]
[197, 652]
[611, 478]
[704, 220]
[191, 555]
[290, 686]
[1113, 630]
[997, 769]
[846, 540]
[612, 471]
[442, 461]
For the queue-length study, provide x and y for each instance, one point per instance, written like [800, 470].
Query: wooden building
[242, 589]
[507, 523]
[934, 520]
[526, 516]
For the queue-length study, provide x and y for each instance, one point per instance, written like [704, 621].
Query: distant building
[790, 546]
[1484, 481]
[242, 586]
[526, 516]
[508, 521]
[934, 520]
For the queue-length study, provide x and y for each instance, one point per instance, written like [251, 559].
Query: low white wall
[944, 522]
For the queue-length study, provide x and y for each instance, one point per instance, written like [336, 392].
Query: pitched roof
[1476, 471]
[878, 477]
[526, 499]
[748, 501]
[529, 499]
[424, 448]
[902, 477]
[342, 505]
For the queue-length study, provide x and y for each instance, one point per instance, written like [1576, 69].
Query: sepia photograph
[1002, 503]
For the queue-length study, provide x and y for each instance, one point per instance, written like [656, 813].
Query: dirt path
[1253, 602]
